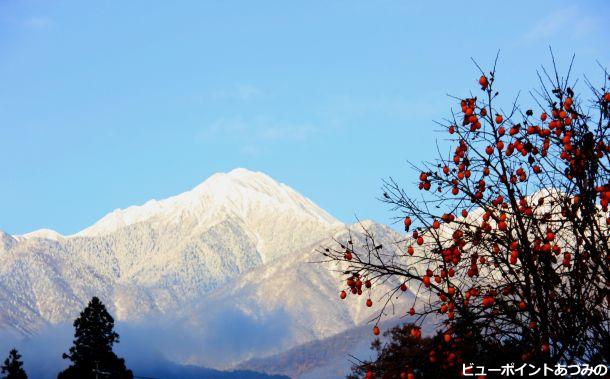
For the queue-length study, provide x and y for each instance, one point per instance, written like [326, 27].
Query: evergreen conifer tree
[91, 355]
[13, 367]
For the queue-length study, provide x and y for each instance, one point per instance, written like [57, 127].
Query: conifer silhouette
[13, 367]
[91, 355]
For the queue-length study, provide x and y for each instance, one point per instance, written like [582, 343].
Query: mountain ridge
[233, 253]
[155, 257]
[216, 183]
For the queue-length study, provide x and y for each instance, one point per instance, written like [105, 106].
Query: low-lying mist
[161, 347]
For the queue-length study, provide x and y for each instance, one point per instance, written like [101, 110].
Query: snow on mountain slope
[268, 208]
[42, 233]
[294, 299]
[217, 275]
[155, 257]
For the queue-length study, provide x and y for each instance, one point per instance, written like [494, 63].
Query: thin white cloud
[286, 132]
[240, 92]
[223, 127]
[251, 150]
[422, 105]
[256, 134]
[37, 22]
[571, 22]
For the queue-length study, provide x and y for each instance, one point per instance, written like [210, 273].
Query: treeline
[91, 354]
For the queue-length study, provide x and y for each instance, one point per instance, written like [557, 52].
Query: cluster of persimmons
[520, 248]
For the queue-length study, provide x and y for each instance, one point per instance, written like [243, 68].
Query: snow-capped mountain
[266, 208]
[156, 256]
[222, 273]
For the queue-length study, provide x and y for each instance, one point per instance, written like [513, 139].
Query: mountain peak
[238, 177]
[239, 192]
[241, 172]
[43, 233]
[162, 254]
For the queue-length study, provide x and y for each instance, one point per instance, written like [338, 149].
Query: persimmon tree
[507, 232]
[402, 349]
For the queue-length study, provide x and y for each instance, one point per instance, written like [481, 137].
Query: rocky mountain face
[155, 256]
[237, 251]
[295, 299]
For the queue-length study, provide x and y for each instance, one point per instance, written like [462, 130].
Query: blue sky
[108, 104]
